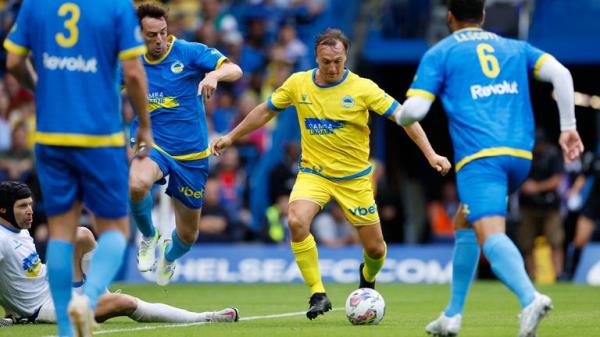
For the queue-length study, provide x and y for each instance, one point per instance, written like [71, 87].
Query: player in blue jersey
[482, 80]
[80, 146]
[180, 75]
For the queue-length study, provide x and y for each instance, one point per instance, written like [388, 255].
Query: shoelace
[145, 245]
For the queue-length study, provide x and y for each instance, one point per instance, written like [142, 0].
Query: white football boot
[444, 326]
[146, 256]
[533, 314]
[165, 269]
[82, 316]
[225, 315]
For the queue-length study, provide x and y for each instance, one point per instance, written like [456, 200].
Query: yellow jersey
[334, 121]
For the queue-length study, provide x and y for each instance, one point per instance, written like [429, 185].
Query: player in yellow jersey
[333, 107]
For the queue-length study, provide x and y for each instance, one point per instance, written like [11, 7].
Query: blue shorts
[186, 178]
[485, 184]
[96, 176]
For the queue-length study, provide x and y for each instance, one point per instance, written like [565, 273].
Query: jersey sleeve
[282, 97]
[129, 36]
[203, 57]
[430, 75]
[535, 58]
[18, 40]
[378, 101]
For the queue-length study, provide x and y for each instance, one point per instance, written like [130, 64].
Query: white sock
[158, 312]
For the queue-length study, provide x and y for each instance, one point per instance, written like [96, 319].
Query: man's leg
[142, 175]
[304, 247]
[60, 269]
[465, 258]
[107, 258]
[374, 253]
[183, 237]
[84, 245]
[114, 305]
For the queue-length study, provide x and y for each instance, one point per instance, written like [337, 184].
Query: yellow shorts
[355, 196]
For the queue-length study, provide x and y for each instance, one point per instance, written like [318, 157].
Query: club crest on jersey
[32, 265]
[347, 102]
[177, 67]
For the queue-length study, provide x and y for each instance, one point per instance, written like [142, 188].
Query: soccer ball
[365, 306]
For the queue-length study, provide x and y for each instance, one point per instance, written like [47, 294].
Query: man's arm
[562, 81]
[228, 72]
[256, 118]
[20, 67]
[414, 109]
[418, 136]
[137, 87]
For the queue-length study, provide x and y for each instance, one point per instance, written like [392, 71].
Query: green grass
[491, 311]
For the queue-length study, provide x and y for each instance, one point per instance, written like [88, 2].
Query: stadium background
[246, 196]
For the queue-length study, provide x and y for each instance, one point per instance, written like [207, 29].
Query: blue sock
[60, 274]
[507, 264]
[105, 264]
[141, 212]
[464, 265]
[177, 248]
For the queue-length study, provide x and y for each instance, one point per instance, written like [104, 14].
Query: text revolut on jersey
[504, 88]
[78, 64]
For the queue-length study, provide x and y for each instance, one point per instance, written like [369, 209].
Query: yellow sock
[373, 266]
[307, 259]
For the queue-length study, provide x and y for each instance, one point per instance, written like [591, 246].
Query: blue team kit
[489, 111]
[178, 117]
[84, 111]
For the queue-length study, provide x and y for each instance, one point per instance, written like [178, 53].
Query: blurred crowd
[247, 192]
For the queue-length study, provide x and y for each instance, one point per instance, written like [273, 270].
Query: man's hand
[208, 85]
[440, 164]
[220, 144]
[571, 145]
[144, 140]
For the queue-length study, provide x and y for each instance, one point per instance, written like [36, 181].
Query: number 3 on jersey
[489, 63]
[71, 9]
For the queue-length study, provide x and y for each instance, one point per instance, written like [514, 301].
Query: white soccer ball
[365, 306]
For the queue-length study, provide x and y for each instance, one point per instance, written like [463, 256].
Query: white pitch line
[183, 325]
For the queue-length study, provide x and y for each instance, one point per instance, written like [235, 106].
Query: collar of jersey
[170, 38]
[466, 29]
[314, 79]
[16, 231]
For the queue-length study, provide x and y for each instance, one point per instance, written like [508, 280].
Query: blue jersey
[176, 111]
[76, 46]
[482, 79]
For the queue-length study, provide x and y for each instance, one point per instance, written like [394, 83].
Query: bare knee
[114, 305]
[84, 240]
[375, 250]
[188, 237]
[297, 223]
[138, 187]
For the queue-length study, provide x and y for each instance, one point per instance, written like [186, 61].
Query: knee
[296, 222]
[375, 250]
[138, 188]
[188, 237]
[84, 239]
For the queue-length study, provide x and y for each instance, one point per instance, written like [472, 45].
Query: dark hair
[330, 37]
[467, 10]
[151, 9]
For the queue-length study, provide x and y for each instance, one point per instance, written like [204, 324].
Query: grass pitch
[491, 311]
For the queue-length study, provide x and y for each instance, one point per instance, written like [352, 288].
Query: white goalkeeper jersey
[23, 279]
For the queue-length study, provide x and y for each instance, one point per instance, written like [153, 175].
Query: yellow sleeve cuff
[220, 62]
[539, 63]
[15, 48]
[132, 52]
[420, 92]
